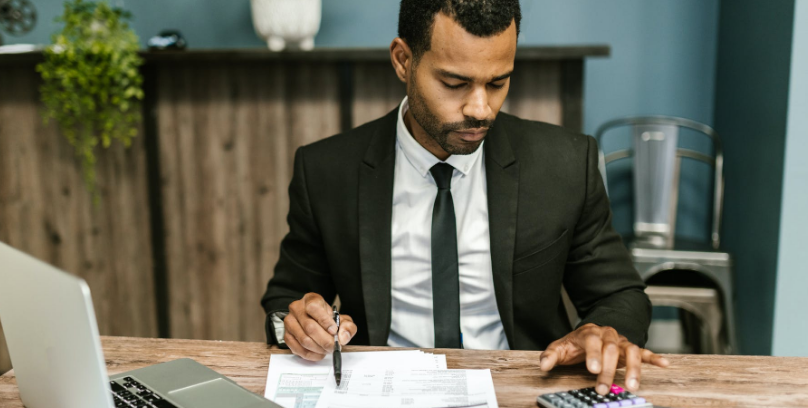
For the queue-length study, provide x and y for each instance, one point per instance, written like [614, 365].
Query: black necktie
[445, 279]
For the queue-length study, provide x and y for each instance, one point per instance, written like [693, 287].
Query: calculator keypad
[589, 398]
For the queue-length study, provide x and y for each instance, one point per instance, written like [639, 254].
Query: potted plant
[91, 82]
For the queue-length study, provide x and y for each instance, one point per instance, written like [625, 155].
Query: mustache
[468, 124]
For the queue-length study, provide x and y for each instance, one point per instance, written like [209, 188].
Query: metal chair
[654, 249]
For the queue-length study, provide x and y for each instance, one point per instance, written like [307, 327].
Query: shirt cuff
[275, 328]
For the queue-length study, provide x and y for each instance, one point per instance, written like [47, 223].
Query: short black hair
[482, 18]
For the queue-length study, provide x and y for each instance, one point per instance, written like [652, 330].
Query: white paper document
[297, 383]
[374, 388]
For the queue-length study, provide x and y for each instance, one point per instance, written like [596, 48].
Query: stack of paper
[296, 383]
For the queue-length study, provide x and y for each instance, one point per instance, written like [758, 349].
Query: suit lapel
[376, 173]
[502, 176]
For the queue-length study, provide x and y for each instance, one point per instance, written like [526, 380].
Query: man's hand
[310, 328]
[604, 351]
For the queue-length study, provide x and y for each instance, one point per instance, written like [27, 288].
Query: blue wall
[751, 110]
[790, 324]
[663, 52]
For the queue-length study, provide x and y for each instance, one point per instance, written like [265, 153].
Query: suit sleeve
[302, 266]
[600, 277]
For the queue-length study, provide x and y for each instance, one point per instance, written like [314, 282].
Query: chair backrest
[657, 166]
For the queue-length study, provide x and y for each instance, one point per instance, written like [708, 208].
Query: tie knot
[442, 173]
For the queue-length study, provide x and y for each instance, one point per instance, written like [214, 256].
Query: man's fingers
[347, 329]
[604, 350]
[309, 313]
[299, 350]
[610, 355]
[633, 367]
[318, 309]
[650, 357]
[317, 333]
[296, 329]
[555, 353]
[593, 345]
[548, 359]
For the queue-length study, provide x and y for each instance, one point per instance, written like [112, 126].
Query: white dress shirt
[414, 192]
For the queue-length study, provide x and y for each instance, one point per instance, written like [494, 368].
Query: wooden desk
[690, 381]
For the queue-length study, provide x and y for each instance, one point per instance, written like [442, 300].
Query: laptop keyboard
[129, 393]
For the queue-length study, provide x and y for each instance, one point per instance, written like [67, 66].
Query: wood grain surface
[227, 135]
[535, 91]
[46, 211]
[377, 91]
[690, 381]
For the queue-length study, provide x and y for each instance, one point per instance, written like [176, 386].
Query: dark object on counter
[167, 40]
[17, 17]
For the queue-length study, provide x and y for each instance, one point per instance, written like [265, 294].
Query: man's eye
[496, 86]
[458, 86]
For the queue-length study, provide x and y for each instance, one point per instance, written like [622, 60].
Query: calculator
[589, 398]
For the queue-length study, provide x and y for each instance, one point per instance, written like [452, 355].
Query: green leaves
[91, 82]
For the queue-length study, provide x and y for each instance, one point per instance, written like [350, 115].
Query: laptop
[53, 340]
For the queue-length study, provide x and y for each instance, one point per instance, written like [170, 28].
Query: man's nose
[477, 105]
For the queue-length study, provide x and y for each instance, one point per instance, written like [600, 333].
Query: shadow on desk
[5, 360]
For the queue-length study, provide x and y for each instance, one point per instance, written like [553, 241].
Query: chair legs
[704, 304]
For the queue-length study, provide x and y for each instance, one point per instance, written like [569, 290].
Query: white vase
[283, 23]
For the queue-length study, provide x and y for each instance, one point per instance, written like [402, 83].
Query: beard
[440, 131]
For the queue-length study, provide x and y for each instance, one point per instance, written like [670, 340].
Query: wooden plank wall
[227, 136]
[223, 136]
[535, 91]
[46, 212]
[376, 90]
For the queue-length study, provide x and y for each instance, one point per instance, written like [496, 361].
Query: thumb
[319, 310]
[548, 360]
[550, 357]
[347, 329]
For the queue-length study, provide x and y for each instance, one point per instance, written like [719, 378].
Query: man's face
[457, 88]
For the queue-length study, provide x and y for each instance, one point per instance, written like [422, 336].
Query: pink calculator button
[616, 389]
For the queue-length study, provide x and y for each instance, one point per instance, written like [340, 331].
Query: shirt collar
[422, 159]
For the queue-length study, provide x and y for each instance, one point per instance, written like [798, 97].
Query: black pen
[337, 350]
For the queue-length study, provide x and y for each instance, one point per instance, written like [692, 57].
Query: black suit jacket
[549, 221]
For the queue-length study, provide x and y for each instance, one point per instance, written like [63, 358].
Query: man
[447, 223]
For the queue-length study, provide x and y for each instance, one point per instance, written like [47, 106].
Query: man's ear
[401, 57]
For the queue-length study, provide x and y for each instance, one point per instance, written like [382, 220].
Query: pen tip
[338, 379]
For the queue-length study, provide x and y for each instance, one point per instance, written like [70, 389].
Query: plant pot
[283, 23]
